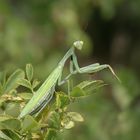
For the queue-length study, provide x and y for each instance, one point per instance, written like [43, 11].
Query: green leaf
[77, 92]
[8, 122]
[25, 83]
[2, 78]
[86, 88]
[30, 124]
[67, 123]
[3, 136]
[12, 124]
[12, 81]
[35, 83]
[29, 71]
[25, 96]
[12, 134]
[2, 82]
[51, 134]
[2, 100]
[62, 100]
[5, 117]
[75, 116]
[12, 109]
[54, 120]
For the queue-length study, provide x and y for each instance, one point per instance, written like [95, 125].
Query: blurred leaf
[1, 111]
[25, 83]
[36, 136]
[25, 96]
[12, 124]
[5, 117]
[2, 78]
[3, 136]
[35, 83]
[67, 124]
[13, 80]
[29, 71]
[30, 124]
[51, 134]
[75, 116]
[85, 88]
[2, 100]
[1, 89]
[62, 100]
[54, 120]
[12, 134]
[12, 109]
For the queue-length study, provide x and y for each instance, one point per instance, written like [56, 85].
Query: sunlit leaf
[68, 124]
[35, 136]
[75, 116]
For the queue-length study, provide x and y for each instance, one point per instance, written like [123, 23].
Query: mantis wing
[42, 93]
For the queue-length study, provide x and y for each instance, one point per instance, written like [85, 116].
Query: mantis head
[78, 44]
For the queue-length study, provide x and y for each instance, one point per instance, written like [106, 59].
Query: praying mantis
[45, 93]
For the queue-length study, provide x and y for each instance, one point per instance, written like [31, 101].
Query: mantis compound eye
[78, 44]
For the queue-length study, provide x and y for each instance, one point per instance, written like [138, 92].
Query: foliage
[113, 113]
[17, 90]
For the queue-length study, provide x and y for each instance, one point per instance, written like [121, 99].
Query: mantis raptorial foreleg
[91, 68]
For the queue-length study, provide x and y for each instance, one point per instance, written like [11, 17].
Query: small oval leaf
[29, 71]
[25, 96]
[84, 88]
[12, 124]
[12, 81]
[69, 125]
[35, 83]
[75, 116]
[30, 124]
[25, 83]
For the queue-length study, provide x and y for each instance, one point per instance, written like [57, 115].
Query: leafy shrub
[18, 89]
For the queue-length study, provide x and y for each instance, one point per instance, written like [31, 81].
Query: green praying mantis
[45, 93]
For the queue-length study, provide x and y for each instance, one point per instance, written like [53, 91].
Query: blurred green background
[41, 31]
